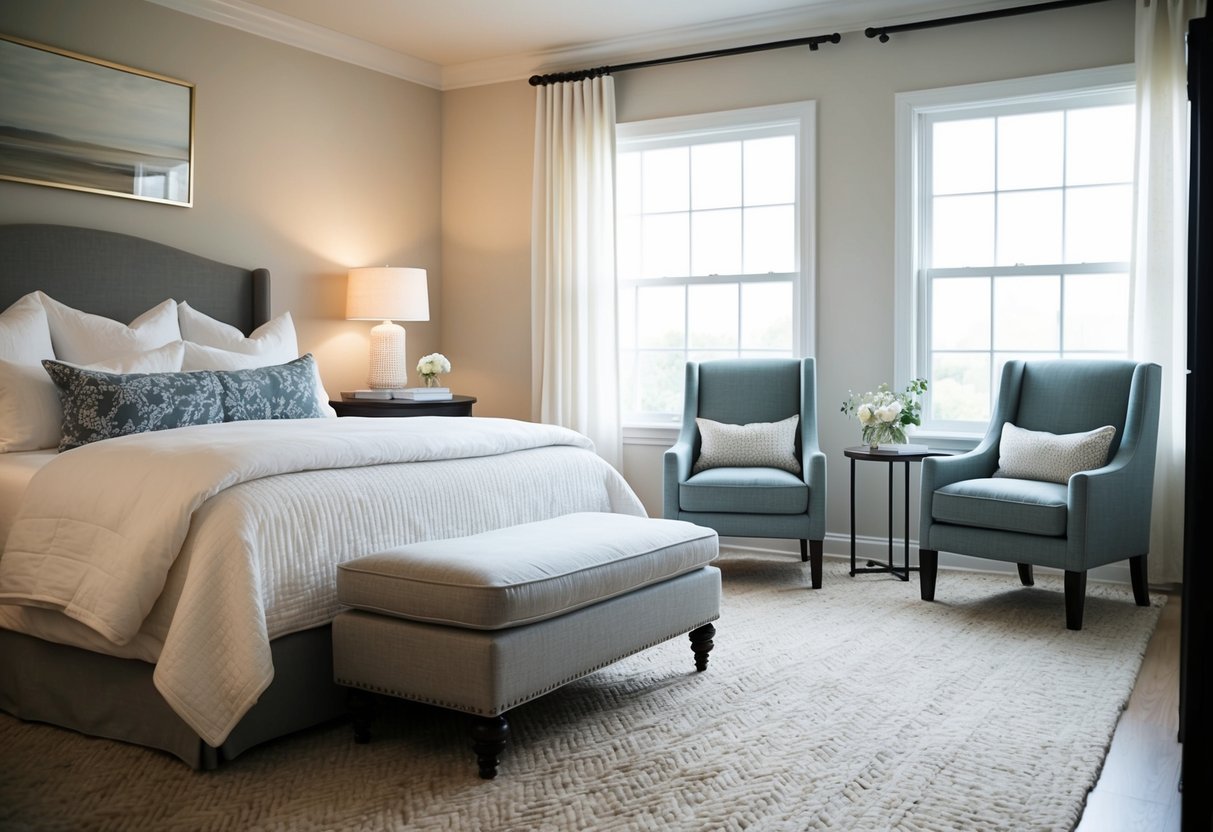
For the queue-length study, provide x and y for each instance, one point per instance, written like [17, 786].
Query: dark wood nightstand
[454, 406]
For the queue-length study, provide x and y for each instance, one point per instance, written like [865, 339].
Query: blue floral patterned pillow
[99, 405]
[281, 391]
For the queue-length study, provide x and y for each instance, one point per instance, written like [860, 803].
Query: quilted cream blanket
[194, 547]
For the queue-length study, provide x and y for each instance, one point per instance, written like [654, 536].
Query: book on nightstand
[904, 448]
[374, 395]
[423, 394]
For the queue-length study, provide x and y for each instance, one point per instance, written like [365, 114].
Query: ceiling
[452, 43]
[459, 31]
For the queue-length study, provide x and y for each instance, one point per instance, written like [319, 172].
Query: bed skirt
[103, 696]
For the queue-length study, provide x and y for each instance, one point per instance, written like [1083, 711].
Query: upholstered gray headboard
[120, 276]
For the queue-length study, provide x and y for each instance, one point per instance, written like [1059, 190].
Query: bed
[247, 580]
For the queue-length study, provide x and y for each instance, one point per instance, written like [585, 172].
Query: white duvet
[194, 547]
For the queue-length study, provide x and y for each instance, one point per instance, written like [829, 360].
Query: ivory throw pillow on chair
[1050, 457]
[756, 445]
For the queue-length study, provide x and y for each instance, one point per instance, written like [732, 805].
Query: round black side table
[903, 454]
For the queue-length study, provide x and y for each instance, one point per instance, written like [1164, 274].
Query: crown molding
[257, 20]
[848, 16]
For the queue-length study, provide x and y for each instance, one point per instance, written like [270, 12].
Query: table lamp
[387, 294]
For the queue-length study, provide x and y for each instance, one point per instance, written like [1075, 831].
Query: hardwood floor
[1138, 787]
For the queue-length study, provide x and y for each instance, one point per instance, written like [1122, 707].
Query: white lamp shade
[387, 294]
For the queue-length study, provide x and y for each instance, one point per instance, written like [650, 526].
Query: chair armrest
[938, 471]
[814, 472]
[676, 470]
[812, 458]
[1108, 510]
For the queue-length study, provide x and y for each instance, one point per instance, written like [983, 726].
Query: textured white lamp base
[388, 367]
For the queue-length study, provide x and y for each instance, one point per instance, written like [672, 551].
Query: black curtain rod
[883, 32]
[813, 42]
[580, 75]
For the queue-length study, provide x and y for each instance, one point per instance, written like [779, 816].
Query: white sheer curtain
[1160, 254]
[574, 372]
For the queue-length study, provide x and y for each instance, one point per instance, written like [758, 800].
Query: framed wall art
[71, 121]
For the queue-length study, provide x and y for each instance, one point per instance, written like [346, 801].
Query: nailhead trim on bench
[503, 708]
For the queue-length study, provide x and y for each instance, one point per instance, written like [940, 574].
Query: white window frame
[911, 239]
[719, 126]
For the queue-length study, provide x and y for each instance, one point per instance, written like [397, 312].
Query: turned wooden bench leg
[489, 736]
[702, 644]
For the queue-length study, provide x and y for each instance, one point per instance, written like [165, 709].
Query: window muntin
[711, 229]
[1024, 218]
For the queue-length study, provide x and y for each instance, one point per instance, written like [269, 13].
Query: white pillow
[1050, 457]
[25, 336]
[82, 338]
[756, 445]
[214, 345]
[30, 413]
[25, 339]
[164, 359]
[197, 357]
[274, 340]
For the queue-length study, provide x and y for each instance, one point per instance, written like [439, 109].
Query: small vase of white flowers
[432, 366]
[884, 415]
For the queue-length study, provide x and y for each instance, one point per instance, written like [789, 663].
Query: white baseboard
[838, 547]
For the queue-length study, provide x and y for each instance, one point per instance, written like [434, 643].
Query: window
[712, 242]
[1015, 220]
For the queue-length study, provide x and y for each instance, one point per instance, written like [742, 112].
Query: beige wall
[303, 164]
[308, 166]
[854, 84]
[487, 145]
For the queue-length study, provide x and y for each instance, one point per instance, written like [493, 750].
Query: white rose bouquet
[431, 366]
[885, 415]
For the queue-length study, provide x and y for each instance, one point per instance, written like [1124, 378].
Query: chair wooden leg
[1137, 574]
[928, 568]
[1025, 574]
[815, 547]
[1076, 593]
[804, 550]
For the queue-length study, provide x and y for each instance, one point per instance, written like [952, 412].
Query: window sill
[938, 440]
[664, 435]
[651, 434]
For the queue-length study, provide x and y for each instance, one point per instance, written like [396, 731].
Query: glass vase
[883, 433]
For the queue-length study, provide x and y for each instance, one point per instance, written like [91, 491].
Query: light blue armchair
[1098, 517]
[757, 501]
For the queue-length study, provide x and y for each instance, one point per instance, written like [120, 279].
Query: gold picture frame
[71, 121]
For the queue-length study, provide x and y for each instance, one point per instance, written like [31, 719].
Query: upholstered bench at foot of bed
[482, 624]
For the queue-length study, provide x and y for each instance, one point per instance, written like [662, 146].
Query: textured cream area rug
[855, 707]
